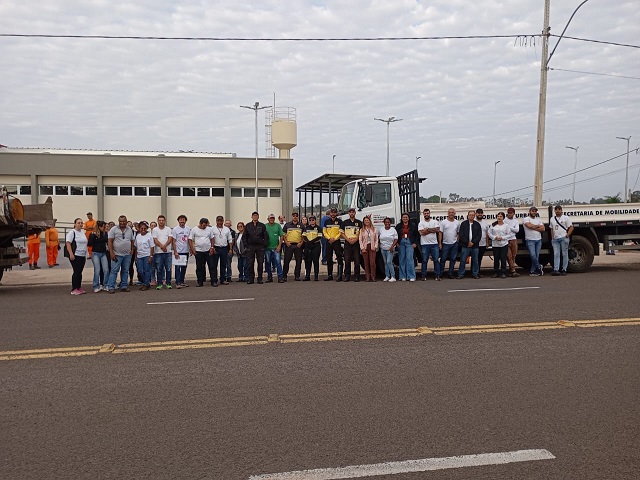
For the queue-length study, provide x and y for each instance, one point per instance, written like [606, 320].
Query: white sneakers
[392, 279]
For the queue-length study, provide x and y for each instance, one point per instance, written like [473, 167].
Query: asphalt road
[228, 413]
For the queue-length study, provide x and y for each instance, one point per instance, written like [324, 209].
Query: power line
[599, 41]
[257, 39]
[594, 73]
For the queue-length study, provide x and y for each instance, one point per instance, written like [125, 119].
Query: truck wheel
[524, 262]
[580, 255]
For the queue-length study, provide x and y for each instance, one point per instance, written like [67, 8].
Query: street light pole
[417, 158]
[334, 164]
[495, 170]
[575, 169]
[626, 176]
[256, 106]
[388, 121]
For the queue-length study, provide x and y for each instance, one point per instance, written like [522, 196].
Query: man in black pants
[255, 238]
[294, 241]
[312, 249]
[352, 227]
[332, 231]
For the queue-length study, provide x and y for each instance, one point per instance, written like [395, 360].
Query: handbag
[73, 246]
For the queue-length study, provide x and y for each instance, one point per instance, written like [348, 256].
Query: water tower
[283, 130]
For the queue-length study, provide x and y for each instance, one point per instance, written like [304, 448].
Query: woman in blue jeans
[387, 241]
[408, 239]
[98, 241]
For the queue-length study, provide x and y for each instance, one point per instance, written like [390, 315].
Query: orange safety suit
[33, 247]
[52, 241]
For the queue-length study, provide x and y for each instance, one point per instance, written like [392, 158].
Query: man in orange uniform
[33, 246]
[89, 228]
[52, 243]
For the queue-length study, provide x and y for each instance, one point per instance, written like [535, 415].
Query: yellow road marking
[309, 337]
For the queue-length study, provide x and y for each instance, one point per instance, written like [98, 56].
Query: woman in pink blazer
[369, 245]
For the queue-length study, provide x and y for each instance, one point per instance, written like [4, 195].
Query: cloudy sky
[464, 103]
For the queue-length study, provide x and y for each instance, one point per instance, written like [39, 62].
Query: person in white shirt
[430, 243]
[387, 241]
[499, 235]
[512, 252]
[181, 234]
[144, 254]
[201, 247]
[163, 240]
[533, 228]
[450, 228]
[76, 245]
[222, 247]
[482, 246]
[561, 230]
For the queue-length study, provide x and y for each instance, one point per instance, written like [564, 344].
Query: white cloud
[464, 103]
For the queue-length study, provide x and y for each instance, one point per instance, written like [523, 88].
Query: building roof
[77, 151]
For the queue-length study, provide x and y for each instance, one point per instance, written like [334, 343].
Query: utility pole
[389, 121]
[542, 111]
[334, 165]
[495, 170]
[256, 106]
[626, 176]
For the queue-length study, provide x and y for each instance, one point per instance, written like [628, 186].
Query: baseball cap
[352, 209]
[271, 215]
[511, 210]
[533, 207]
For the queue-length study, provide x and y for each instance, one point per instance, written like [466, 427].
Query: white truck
[594, 225]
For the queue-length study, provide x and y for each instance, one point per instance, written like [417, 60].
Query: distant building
[142, 185]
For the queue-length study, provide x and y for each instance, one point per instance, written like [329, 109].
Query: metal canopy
[330, 182]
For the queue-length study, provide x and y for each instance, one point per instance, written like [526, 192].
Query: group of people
[155, 248]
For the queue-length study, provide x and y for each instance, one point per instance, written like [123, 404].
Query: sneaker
[75, 292]
[153, 283]
[125, 289]
[111, 291]
[168, 287]
[97, 290]
[386, 279]
[503, 276]
[392, 279]
[534, 274]
[159, 287]
[36, 267]
[82, 290]
[184, 285]
[541, 272]
[495, 275]
[412, 279]
[178, 286]
[437, 279]
[269, 279]
[555, 273]
[514, 274]
[138, 283]
[563, 273]
[424, 279]
[144, 288]
[403, 279]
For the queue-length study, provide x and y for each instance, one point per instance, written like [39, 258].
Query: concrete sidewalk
[61, 275]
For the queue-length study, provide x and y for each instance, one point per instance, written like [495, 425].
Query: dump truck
[19, 221]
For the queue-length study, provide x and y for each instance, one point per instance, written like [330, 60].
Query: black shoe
[495, 275]
[297, 279]
[259, 281]
[347, 278]
[476, 277]
[269, 279]
[424, 279]
[214, 284]
[281, 280]
[198, 284]
[339, 279]
[460, 277]
[250, 282]
[555, 273]
[563, 273]
[306, 279]
[329, 278]
[315, 278]
[503, 276]
[451, 277]
[356, 278]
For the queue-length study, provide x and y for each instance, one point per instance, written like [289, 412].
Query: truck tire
[524, 262]
[580, 255]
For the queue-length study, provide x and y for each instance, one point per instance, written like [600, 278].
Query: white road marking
[492, 289]
[423, 465]
[204, 301]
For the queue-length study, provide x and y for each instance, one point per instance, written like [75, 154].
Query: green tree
[613, 198]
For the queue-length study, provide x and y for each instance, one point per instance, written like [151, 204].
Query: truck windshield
[346, 196]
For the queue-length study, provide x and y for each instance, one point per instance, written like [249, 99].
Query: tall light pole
[388, 121]
[334, 164]
[495, 170]
[575, 169]
[256, 106]
[626, 176]
[417, 158]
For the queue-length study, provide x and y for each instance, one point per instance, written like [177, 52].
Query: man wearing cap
[333, 231]
[255, 239]
[201, 247]
[482, 246]
[512, 251]
[293, 240]
[533, 228]
[561, 230]
[352, 227]
[273, 252]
